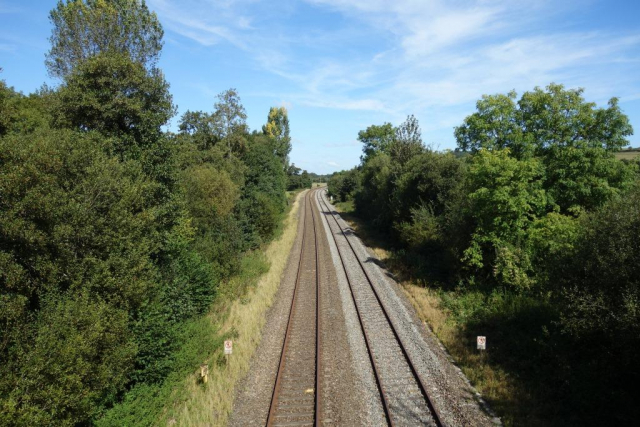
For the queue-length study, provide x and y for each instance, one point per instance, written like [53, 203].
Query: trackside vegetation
[528, 233]
[116, 235]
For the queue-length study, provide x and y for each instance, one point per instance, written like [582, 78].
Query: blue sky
[341, 65]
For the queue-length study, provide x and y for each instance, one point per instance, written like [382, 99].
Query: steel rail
[277, 386]
[318, 397]
[434, 412]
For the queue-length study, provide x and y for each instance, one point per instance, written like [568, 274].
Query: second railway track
[403, 391]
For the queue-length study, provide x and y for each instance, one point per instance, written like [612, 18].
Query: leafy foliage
[376, 139]
[117, 97]
[85, 28]
[530, 227]
[115, 236]
[297, 178]
[277, 127]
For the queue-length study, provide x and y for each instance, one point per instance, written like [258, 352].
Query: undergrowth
[237, 314]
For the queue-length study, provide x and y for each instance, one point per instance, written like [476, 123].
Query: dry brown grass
[211, 404]
[504, 395]
[628, 155]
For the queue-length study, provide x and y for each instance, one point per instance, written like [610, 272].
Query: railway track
[295, 400]
[403, 393]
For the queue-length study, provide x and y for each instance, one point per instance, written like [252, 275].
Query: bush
[78, 357]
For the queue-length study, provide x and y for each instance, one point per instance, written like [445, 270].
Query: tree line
[114, 231]
[533, 213]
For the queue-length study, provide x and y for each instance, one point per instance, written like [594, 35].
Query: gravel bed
[344, 400]
[457, 402]
[350, 393]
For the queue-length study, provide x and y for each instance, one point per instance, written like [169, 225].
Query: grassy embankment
[457, 317]
[628, 154]
[238, 314]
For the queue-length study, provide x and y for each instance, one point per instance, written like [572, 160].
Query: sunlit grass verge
[505, 395]
[238, 314]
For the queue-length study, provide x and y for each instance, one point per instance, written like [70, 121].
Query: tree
[506, 197]
[542, 119]
[494, 126]
[407, 142]
[201, 127]
[229, 114]
[264, 196]
[574, 139]
[118, 97]
[277, 127]
[343, 184]
[427, 179]
[376, 139]
[85, 28]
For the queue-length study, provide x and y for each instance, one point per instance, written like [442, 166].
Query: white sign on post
[482, 343]
[228, 347]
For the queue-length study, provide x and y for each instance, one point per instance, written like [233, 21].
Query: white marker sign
[482, 343]
[228, 347]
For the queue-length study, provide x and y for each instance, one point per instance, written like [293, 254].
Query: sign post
[228, 349]
[481, 342]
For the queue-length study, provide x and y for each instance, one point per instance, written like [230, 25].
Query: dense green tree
[541, 119]
[85, 28]
[117, 97]
[376, 139]
[79, 356]
[581, 177]
[497, 124]
[24, 114]
[6, 109]
[574, 139]
[210, 193]
[201, 127]
[297, 178]
[114, 233]
[427, 179]
[598, 279]
[373, 199]
[344, 184]
[74, 222]
[506, 196]
[263, 198]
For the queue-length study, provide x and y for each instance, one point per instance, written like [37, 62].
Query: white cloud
[433, 54]
[4, 47]
[358, 104]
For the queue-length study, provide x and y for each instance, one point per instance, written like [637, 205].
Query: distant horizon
[340, 66]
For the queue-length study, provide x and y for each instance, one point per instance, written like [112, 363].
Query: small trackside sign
[482, 343]
[228, 347]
